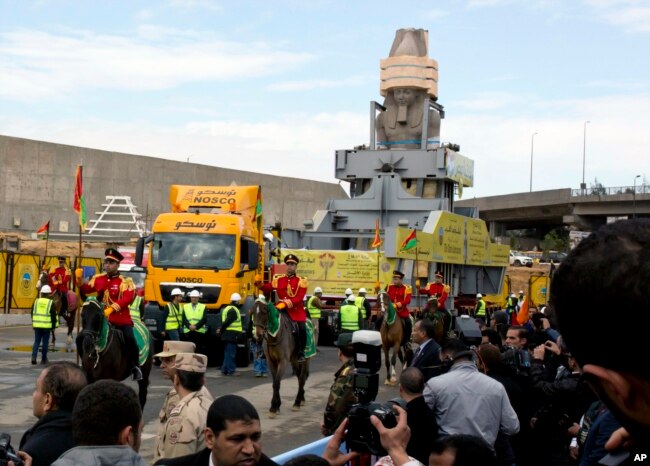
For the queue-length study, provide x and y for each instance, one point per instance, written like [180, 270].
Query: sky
[277, 86]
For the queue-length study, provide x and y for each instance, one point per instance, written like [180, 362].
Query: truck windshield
[193, 251]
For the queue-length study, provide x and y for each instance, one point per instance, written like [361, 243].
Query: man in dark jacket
[421, 421]
[232, 436]
[56, 390]
[427, 356]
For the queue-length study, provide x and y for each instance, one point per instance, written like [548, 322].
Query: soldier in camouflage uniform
[183, 432]
[342, 395]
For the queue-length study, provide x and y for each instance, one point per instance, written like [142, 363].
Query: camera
[7, 453]
[517, 359]
[362, 436]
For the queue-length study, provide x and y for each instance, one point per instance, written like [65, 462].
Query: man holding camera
[342, 395]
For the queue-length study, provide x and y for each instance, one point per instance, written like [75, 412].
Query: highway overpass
[544, 210]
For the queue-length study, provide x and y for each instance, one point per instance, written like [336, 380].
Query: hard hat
[479, 295]
[177, 292]
[194, 294]
[261, 296]
[362, 290]
[351, 298]
[318, 289]
[46, 289]
[513, 295]
[521, 291]
[348, 291]
[235, 298]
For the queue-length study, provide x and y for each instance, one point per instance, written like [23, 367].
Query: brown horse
[113, 361]
[279, 351]
[439, 318]
[392, 335]
[68, 314]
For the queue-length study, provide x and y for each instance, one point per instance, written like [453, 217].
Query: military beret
[397, 273]
[172, 348]
[113, 254]
[344, 339]
[291, 258]
[61, 258]
[191, 362]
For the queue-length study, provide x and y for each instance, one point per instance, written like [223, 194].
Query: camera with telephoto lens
[362, 436]
[7, 453]
[517, 359]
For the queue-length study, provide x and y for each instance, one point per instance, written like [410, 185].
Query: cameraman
[342, 395]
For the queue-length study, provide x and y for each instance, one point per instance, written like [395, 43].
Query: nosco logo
[189, 280]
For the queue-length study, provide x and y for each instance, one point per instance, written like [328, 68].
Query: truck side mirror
[139, 252]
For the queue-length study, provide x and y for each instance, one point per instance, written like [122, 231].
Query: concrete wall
[37, 183]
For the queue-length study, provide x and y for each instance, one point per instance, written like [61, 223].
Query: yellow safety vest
[194, 316]
[174, 318]
[349, 317]
[359, 303]
[314, 312]
[480, 311]
[134, 308]
[236, 325]
[41, 313]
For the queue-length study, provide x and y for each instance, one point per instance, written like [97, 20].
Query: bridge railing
[611, 191]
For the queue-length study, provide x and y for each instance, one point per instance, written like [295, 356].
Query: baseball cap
[344, 339]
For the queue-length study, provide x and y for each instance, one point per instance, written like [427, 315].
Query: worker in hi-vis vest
[362, 303]
[230, 332]
[173, 315]
[44, 319]
[314, 305]
[350, 318]
[194, 321]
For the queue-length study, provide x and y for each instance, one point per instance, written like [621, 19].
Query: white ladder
[110, 219]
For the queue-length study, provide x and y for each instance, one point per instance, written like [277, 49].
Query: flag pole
[47, 239]
[417, 272]
[80, 252]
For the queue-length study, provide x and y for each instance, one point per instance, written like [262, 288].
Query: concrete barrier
[7, 320]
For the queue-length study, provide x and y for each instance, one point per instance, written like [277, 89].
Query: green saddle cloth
[140, 332]
[273, 327]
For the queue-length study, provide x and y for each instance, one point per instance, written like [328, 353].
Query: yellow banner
[25, 275]
[478, 242]
[3, 278]
[334, 271]
[449, 238]
[499, 254]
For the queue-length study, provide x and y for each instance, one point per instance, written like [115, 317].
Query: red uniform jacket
[293, 289]
[401, 297]
[59, 279]
[440, 291]
[113, 290]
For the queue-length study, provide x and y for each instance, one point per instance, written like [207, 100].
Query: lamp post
[634, 197]
[532, 147]
[584, 151]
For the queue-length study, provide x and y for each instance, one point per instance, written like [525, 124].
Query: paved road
[285, 432]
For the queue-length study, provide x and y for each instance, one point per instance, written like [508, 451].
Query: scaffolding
[119, 216]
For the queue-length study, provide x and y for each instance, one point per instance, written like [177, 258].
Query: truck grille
[209, 293]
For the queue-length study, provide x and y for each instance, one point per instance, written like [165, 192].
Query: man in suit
[421, 421]
[232, 436]
[427, 356]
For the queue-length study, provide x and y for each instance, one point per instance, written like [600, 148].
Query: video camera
[362, 435]
[7, 453]
[517, 359]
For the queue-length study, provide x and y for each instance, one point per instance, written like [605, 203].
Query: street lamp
[584, 151]
[634, 197]
[532, 146]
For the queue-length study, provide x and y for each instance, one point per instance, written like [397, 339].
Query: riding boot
[302, 341]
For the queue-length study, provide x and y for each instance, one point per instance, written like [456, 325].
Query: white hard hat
[348, 291]
[46, 289]
[318, 289]
[351, 298]
[177, 292]
[261, 296]
[194, 294]
[479, 295]
[235, 298]
[521, 291]
[362, 290]
[513, 295]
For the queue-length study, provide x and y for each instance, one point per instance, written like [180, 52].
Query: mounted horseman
[440, 290]
[59, 278]
[400, 296]
[291, 289]
[116, 293]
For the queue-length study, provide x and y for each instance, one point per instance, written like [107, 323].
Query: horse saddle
[140, 332]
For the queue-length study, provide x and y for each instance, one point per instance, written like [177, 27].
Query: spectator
[517, 337]
[232, 437]
[420, 420]
[466, 401]
[461, 450]
[427, 356]
[183, 433]
[260, 366]
[106, 426]
[611, 262]
[489, 335]
[341, 396]
[56, 390]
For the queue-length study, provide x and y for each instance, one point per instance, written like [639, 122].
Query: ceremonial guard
[117, 293]
[400, 296]
[291, 289]
[440, 291]
[59, 280]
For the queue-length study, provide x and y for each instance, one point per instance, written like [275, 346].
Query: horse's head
[92, 315]
[383, 302]
[432, 304]
[260, 316]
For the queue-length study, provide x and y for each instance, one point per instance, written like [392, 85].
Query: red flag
[409, 242]
[79, 204]
[523, 315]
[45, 228]
[377, 242]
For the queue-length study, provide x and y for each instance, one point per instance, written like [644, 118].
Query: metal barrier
[313, 448]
